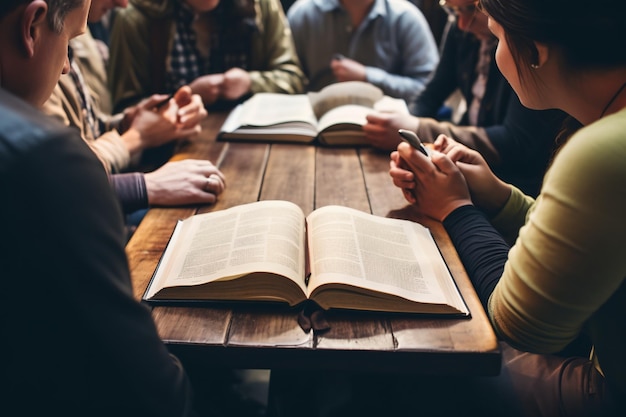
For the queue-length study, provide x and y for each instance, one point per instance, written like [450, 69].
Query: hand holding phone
[412, 139]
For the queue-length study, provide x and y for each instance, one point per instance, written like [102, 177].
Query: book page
[391, 105]
[352, 116]
[338, 94]
[265, 236]
[393, 256]
[349, 116]
[266, 109]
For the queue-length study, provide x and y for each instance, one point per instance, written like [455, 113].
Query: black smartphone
[412, 139]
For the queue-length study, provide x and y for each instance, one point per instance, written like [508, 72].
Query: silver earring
[534, 66]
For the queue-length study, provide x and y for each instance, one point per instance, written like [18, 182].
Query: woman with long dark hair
[563, 279]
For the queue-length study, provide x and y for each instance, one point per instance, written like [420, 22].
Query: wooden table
[269, 337]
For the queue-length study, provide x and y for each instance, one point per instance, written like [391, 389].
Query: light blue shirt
[394, 42]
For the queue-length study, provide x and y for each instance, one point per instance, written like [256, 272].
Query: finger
[409, 196]
[207, 198]
[401, 174]
[441, 142]
[212, 171]
[194, 104]
[414, 159]
[153, 101]
[375, 118]
[189, 121]
[443, 163]
[212, 185]
[456, 154]
[183, 96]
[219, 174]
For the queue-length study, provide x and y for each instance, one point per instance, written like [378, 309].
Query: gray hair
[57, 10]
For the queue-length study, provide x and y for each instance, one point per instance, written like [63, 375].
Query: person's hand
[488, 192]
[130, 112]
[381, 129]
[346, 69]
[438, 186]
[208, 87]
[237, 83]
[190, 108]
[402, 177]
[190, 181]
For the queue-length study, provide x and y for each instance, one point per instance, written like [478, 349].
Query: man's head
[34, 37]
[467, 17]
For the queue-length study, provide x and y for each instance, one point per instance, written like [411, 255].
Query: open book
[335, 115]
[262, 252]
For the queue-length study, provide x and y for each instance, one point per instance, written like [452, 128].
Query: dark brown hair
[588, 35]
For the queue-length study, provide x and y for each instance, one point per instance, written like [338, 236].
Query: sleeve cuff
[130, 190]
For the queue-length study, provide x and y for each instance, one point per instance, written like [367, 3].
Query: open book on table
[334, 116]
[262, 252]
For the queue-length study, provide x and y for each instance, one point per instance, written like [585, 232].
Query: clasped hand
[231, 85]
[452, 177]
[157, 123]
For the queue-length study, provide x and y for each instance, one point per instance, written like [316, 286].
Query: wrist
[452, 206]
[501, 195]
[132, 139]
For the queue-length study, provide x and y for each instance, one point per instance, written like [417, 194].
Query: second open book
[262, 251]
[333, 116]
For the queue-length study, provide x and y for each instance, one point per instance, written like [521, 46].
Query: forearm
[395, 85]
[112, 150]
[130, 190]
[473, 137]
[481, 248]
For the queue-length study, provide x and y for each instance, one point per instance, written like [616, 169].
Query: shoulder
[31, 143]
[304, 10]
[23, 127]
[592, 158]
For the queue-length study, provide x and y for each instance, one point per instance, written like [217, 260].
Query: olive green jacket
[143, 34]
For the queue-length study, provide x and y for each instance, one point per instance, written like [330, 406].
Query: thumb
[374, 117]
[183, 96]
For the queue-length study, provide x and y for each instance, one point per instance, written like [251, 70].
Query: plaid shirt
[229, 46]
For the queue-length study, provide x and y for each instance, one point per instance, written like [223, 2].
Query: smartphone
[412, 139]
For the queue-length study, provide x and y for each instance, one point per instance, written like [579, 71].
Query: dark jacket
[75, 341]
[523, 138]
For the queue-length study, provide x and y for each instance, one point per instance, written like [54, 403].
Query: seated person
[81, 99]
[564, 277]
[224, 50]
[387, 43]
[516, 142]
[80, 344]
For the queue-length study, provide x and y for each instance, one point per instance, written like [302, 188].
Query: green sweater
[565, 273]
